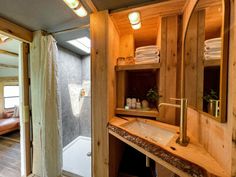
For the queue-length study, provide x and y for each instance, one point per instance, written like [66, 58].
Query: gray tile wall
[73, 70]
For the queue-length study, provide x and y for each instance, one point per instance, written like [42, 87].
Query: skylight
[81, 43]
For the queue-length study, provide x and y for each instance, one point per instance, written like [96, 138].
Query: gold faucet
[183, 139]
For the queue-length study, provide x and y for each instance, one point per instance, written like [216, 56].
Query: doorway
[14, 135]
[75, 94]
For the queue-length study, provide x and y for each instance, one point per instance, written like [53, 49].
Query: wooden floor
[10, 155]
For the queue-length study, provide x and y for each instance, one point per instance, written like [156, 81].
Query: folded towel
[146, 55]
[213, 41]
[142, 58]
[212, 48]
[212, 53]
[149, 47]
[148, 61]
[212, 57]
[147, 52]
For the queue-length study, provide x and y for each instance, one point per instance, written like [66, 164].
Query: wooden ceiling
[150, 19]
[213, 21]
[152, 13]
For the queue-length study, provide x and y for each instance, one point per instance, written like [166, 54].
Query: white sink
[146, 130]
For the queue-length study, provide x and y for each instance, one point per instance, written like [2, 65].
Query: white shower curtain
[47, 146]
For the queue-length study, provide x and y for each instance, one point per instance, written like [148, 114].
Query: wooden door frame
[25, 36]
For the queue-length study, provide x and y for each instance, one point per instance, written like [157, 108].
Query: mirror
[206, 57]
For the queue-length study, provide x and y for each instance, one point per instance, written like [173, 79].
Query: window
[81, 43]
[11, 96]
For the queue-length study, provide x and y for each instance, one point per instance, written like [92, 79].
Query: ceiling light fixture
[135, 20]
[77, 7]
[80, 11]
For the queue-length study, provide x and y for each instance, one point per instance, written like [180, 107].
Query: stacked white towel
[147, 54]
[212, 49]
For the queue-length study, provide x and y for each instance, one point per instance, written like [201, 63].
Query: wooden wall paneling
[200, 56]
[121, 83]
[15, 31]
[168, 70]
[187, 12]
[191, 61]
[116, 151]
[171, 65]
[99, 90]
[178, 72]
[127, 47]
[213, 135]
[105, 50]
[163, 172]
[232, 87]
[112, 55]
[115, 147]
[162, 81]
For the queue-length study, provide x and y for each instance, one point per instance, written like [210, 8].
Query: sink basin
[146, 130]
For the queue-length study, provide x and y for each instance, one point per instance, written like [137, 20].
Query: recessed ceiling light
[83, 44]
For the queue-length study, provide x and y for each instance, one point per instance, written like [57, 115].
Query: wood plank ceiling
[150, 19]
[151, 14]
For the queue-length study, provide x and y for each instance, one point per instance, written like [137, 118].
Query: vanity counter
[192, 160]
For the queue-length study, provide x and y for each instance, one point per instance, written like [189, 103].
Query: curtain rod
[70, 29]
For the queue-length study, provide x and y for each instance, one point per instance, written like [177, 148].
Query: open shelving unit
[137, 67]
[133, 81]
[137, 112]
[211, 63]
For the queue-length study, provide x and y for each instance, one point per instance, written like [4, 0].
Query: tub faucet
[183, 139]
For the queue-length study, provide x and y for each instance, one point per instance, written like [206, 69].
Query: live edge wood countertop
[192, 160]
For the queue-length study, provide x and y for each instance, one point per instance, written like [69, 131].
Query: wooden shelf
[137, 112]
[137, 67]
[209, 63]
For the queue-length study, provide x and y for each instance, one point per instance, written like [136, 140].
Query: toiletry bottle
[138, 104]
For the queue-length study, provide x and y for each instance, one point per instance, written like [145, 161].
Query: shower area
[75, 96]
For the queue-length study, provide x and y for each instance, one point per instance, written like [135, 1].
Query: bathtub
[77, 157]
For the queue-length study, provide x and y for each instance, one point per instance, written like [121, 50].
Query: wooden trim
[209, 63]
[8, 53]
[137, 112]
[224, 61]
[15, 31]
[155, 3]
[91, 5]
[188, 11]
[138, 67]
[25, 106]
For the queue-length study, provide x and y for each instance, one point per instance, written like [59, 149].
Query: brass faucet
[183, 139]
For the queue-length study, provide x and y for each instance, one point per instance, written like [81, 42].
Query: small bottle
[128, 102]
[145, 104]
[133, 103]
[138, 104]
